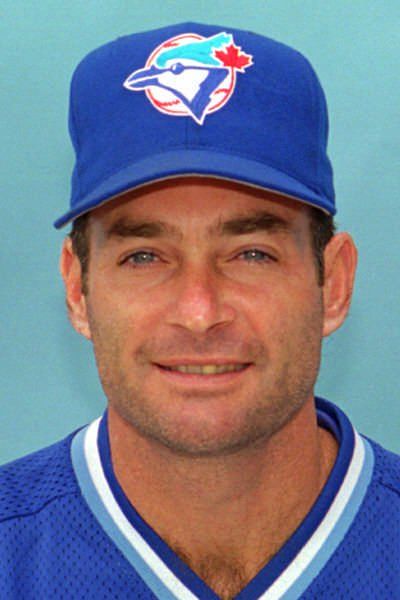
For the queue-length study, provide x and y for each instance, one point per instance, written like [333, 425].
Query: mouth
[206, 369]
[203, 376]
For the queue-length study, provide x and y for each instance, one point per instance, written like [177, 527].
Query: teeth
[206, 369]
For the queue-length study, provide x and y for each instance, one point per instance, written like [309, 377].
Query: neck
[239, 509]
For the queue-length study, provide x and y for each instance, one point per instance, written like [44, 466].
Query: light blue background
[49, 382]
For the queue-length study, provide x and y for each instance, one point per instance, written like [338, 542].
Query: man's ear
[71, 272]
[340, 258]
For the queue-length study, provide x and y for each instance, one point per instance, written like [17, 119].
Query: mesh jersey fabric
[53, 546]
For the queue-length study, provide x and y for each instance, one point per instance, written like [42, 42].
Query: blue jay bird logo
[190, 75]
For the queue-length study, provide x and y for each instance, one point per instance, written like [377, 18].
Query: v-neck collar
[286, 576]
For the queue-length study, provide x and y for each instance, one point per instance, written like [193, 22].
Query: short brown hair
[322, 228]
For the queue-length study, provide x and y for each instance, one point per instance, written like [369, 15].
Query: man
[204, 267]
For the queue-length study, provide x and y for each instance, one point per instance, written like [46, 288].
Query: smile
[206, 369]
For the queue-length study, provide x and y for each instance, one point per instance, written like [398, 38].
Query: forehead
[194, 202]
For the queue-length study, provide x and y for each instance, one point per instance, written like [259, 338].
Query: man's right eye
[141, 257]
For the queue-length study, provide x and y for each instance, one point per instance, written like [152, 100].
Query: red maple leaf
[232, 57]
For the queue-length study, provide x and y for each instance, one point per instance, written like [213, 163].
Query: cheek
[120, 321]
[286, 313]
[281, 293]
[107, 318]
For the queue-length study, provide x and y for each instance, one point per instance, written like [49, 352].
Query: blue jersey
[67, 530]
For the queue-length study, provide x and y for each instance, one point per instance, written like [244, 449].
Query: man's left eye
[255, 255]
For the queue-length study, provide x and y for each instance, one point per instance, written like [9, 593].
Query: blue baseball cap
[194, 99]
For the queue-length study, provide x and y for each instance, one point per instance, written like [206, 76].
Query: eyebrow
[240, 224]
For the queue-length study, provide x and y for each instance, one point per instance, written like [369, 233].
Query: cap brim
[184, 162]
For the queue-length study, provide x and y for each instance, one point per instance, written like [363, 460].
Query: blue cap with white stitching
[194, 99]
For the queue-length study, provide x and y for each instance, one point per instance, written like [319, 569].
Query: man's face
[195, 272]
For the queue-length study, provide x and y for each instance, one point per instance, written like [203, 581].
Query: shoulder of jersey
[30, 483]
[387, 469]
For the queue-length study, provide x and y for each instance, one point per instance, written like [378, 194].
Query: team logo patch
[190, 75]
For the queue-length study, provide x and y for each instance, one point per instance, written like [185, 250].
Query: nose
[200, 301]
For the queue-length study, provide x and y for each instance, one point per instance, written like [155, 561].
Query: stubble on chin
[251, 426]
[270, 405]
